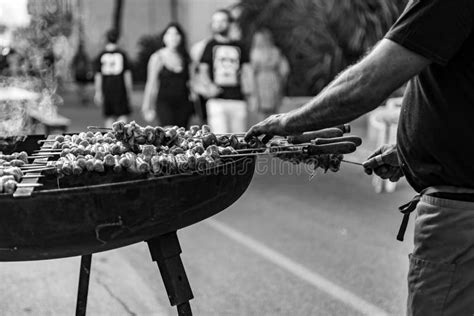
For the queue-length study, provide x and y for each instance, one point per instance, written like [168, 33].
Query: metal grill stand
[83, 288]
[165, 250]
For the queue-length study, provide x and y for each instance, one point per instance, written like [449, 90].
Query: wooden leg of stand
[165, 251]
[83, 289]
[184, 309]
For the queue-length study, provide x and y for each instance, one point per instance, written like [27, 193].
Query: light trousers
[227, 116]
[441, 274]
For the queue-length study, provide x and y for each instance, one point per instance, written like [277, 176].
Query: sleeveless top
[173, 85]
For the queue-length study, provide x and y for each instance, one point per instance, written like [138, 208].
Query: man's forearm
[204, 73]
[349, 96]
[359, 89]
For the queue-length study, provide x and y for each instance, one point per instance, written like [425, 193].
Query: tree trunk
[117, 17]
[174, 10]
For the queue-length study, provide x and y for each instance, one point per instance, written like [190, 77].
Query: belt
[445, 192]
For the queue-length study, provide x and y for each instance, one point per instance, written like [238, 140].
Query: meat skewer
[172, 150]
[29, 185]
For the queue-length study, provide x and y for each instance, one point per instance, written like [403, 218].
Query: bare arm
[204, 73]
[152, 82]
[358, 90]
[98, 97]
[214, 90]
[128, 83]
[284, 69]
[247, 79]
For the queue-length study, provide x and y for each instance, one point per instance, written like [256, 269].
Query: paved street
[288, 246]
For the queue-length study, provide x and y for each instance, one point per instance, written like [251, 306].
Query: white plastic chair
[382, 129]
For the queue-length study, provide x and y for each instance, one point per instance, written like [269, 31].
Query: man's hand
[384, 163]
[271, 126]
[213, 91]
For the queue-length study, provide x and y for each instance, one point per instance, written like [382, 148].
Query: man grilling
[432, 45]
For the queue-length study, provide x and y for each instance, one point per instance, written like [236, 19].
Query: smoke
[24, 98]
[28, 87]
[13, 115]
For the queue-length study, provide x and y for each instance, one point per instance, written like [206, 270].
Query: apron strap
[406, 210]
[409, 207]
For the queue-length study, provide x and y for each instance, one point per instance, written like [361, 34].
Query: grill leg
[165, 251]
[83, 288]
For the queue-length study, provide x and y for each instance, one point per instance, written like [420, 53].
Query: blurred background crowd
[292, 48]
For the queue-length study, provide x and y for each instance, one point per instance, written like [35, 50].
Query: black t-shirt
[436, 128]
[112, 64]
[225, 65]
[173, 85]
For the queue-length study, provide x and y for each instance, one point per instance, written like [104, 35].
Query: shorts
[115, 107]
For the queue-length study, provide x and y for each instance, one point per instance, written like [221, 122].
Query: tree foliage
[319, 37]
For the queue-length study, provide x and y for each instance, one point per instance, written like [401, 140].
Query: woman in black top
[167, 92]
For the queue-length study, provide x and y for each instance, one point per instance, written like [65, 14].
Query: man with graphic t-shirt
[432, 45]
[113, 81]
[223, 63]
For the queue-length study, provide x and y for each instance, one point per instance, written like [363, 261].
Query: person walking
[167, 87]
[200, 91]
[113, 81]
[270, 69]
[223, 65]
[433, 149]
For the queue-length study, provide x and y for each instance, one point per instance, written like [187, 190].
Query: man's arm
[204, 72]
[358, 90]
[214, 90]
[128, 79]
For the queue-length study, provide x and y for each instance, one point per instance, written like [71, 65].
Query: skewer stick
[45, 153]
[46, 141]
[230, 134]
[29, 185]
[47, 150]
[39, 169]
[32, 166]
[260, 154]
[352, 162]
[250, 150]
[40, 156]
[99, 128]
[26, 166]
[22, 167]
[33, 176]
[274, 149]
